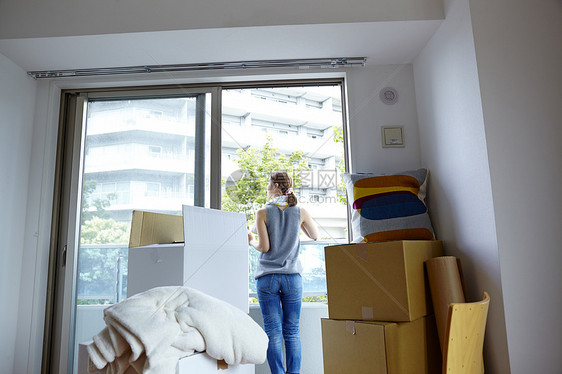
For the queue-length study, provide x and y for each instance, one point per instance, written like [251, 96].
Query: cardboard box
[155, 228]
[383, 281]
[214, 259]
[381, 347]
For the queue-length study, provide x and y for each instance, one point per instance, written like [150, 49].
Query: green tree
[104, 231]
[248, 192]
[341, 192]
[99, 204]
[97, 265]
[97, 227]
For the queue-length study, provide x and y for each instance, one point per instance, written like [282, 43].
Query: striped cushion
[388, 207]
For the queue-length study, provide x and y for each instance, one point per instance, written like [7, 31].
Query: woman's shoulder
[261, 215]
[304, 212]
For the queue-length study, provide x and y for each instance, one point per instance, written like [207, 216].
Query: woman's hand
[262, 244]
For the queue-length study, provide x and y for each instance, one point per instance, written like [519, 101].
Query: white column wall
[36, 244]
[17, 104]
[453, 146]
[519, 59]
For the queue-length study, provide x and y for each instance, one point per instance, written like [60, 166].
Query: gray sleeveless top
[283, 227]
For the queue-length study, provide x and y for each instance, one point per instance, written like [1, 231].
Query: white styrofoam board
[214, 259]
[216, 247]
[202, 363]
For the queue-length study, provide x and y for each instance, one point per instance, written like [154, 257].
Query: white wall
[367, 113]
[36, 241]
[519, 59]
[17, 104]
[453, 143]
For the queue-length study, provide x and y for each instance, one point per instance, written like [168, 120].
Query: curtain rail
[298, 63]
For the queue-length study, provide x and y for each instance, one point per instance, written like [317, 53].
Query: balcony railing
[103, 271]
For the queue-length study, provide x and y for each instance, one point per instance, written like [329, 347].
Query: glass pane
[139, 155]
[298, 129]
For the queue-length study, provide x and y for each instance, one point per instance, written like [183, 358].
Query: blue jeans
[280, 297]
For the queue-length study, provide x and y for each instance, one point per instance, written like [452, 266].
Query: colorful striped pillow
[388, 207]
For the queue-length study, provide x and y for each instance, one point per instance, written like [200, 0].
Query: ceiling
[381, 42]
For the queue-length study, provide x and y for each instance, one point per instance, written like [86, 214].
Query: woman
[279, 283]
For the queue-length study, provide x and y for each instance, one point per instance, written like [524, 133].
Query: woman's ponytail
[291, 198]
[285, 183]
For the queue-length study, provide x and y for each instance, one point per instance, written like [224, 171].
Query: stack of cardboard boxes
[380, 310]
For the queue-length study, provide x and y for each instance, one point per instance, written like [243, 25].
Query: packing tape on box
[155, 256]
[446, 285]
[361, 250]
[350, 327]
[376, 282]
[367, 313]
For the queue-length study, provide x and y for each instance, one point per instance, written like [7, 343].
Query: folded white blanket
[150, 331]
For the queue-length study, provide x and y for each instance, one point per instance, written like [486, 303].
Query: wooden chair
[464, 337]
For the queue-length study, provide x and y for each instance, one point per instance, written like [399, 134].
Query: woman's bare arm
[263, 244]
[308, 225]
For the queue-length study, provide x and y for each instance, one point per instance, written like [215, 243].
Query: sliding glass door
[124, 151]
